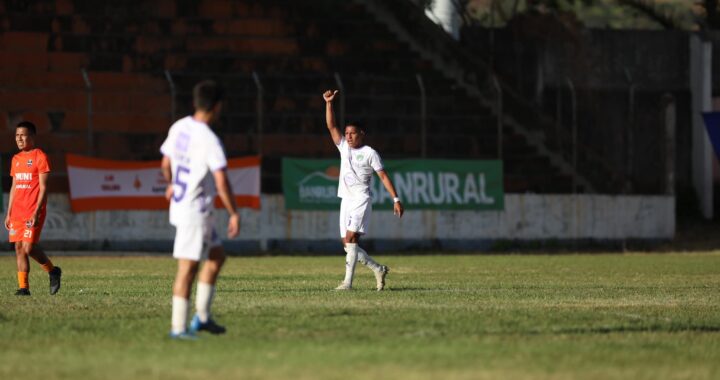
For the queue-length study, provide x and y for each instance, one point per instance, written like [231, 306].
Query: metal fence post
[630, 132]
[573, 106]
[491, 36]
[259, 109]
[341, 88]
[669, 118]
[88, 86]
[173, 95]
[423, 116]
[558, 117]
[499, 115]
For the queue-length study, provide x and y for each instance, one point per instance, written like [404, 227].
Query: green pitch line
[640, 316]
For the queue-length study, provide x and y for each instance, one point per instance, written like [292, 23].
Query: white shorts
[194, 241]
[355, 215]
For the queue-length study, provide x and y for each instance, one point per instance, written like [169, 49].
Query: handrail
[478, 73]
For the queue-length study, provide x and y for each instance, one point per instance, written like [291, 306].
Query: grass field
[632, 316]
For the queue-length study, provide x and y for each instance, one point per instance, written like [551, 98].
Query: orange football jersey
[26, 168]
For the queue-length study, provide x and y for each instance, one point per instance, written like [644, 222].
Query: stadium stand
[293, 49]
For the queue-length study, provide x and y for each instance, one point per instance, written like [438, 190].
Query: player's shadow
[328, 289]
[409, 289]
[633, 329]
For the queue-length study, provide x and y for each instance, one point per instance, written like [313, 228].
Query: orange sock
[48, 266]
[23, 280]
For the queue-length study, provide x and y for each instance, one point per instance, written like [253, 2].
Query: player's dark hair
[27, 125]
[356, 126]
[207, 94]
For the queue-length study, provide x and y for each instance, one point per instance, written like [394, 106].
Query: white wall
[526, 217]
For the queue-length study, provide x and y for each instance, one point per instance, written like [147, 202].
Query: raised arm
[228, 200]
[329, 96]
[387, 182]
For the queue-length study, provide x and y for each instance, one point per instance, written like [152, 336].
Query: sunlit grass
[467, 317]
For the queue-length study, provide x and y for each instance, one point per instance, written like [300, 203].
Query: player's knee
[217, 256]
[23, 248]
[352, 238]
[213, 265]
[193, 270]
[187, 271]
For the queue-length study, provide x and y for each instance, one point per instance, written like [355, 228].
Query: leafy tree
[667, 14]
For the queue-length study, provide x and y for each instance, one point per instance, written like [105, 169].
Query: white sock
[350, 261]
[180, 307]
[366, 260]
[203, 300]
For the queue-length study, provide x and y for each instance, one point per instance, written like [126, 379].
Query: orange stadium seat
[295, 47]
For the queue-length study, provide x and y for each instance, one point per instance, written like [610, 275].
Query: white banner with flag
[97, 184]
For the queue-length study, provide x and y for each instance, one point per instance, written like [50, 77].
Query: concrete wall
[528, 217]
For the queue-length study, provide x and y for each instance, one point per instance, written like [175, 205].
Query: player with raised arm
[194, 164]
[27, 203]
[357, 163]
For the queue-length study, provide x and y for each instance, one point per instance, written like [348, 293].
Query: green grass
[634, 316]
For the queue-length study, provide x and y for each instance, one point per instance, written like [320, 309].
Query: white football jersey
[356, 170]
[195, 152]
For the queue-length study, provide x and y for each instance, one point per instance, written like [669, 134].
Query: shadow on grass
[634, 329]
[410, 289]
[368, 289]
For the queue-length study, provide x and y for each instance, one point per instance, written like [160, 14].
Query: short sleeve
[43, 165]
[375, 161]
[343, 144]
[216, 159]
[166, 147]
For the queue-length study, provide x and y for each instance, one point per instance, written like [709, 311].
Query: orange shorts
[19, 231]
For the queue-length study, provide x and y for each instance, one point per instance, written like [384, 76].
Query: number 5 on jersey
[180, 182]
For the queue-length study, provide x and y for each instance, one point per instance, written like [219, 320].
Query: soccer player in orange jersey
[26, 207]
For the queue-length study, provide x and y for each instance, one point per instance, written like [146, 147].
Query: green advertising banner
[421, 184]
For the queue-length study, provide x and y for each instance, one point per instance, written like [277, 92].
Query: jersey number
[180, 182]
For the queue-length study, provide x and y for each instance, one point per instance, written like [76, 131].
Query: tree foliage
[617, 14]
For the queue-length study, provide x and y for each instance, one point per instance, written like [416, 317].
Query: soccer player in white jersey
[194, 164]
[357, 164]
